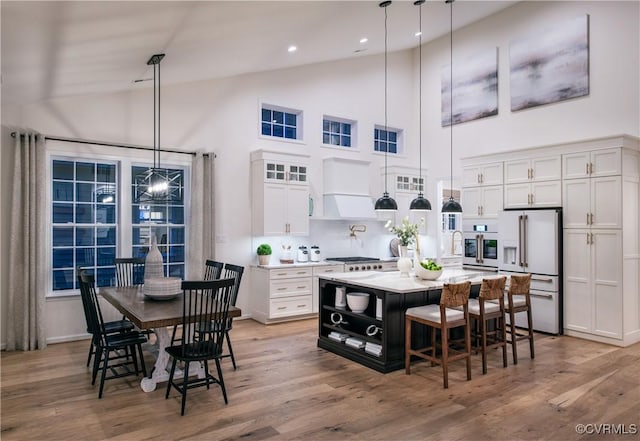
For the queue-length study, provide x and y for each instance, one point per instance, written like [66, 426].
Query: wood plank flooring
[287, 388]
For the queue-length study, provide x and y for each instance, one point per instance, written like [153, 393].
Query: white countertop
[298, 264]
[392, 281]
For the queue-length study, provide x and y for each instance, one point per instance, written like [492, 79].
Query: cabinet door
[491, 201]
[471, 201]
[606, 162]
[471, 176]
[546, 169]
[576, 203]
[275, 172]
[298, 210]
[578, 299]
[517, 195]
[575, 165]
[491, 174]
[606, 202]
[297, 174]
[606, 274]
[517, 171]
[275, 209]
[546, 194]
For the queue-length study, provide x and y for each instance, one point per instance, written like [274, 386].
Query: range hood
[346, 189]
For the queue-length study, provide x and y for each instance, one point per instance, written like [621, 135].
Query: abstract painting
[551, 66]
[475, 88]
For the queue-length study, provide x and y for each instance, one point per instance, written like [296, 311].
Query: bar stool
[442, 317]
[519, 300]
[483, 310]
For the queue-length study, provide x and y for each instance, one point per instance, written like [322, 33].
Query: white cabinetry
[606, 162]
[404, 185]
[482, 174]
[532, 183]
[281, 293]
[482, 202]
[593, 202]
[280, 194]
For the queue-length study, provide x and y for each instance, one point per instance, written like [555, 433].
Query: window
[337, 131]
[386, 140]
[281, 123]
[84, 226]
[165, 221]
[90, 226]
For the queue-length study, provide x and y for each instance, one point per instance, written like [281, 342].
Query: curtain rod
[107, 144]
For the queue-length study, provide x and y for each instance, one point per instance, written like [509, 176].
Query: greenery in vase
[263, 250]
[406, 231]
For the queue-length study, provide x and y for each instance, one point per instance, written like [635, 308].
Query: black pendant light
[420, 203]
[451, 206]
[385, 203]
[157, 185]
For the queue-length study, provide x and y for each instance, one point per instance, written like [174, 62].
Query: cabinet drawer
[290, 287]
[289, 306]
[328, 269]
[288, 273]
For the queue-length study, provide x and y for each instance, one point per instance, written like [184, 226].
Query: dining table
[152, 314]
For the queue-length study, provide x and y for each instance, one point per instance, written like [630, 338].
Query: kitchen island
[375, 337]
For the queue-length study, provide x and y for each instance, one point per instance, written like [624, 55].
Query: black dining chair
[205, 301]
[109, 345]
[233, 272]
[113, 327]
[129, 271]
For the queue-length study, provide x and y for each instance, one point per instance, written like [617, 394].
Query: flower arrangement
[407, 232]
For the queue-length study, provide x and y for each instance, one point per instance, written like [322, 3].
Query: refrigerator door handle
[524, 239]
[544, 296]
[520, 240]
[542, 279]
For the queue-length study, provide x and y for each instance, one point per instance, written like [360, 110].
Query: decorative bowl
[357, 301]
[426, 274]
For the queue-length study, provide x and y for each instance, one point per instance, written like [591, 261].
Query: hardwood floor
[287, 388]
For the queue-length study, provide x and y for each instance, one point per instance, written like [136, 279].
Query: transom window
[281, 123]
[386, 140]
[337, 132]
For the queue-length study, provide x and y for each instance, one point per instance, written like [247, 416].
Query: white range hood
[346, 189]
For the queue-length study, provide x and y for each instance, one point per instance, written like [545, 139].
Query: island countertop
[392, 281]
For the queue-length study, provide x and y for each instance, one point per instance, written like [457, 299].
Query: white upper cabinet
[482, 202]
[533, 170]
[533, 195]
[483, 174]
[593, 203]
[606, 162]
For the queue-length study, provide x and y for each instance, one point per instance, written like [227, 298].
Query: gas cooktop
[352, 259]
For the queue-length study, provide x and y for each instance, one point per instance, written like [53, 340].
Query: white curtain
[202, 215]
[28, 246]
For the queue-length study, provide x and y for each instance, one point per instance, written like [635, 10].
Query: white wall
[222, 116]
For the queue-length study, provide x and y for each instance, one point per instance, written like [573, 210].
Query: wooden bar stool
[483, 310]
[442, 317]
[519, 300]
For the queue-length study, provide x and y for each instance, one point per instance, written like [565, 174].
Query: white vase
[153, 261]
[404, 262]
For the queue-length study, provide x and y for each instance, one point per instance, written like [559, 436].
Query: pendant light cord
[451, 90]
[159, 107]
[386, 131]
[420, 100]
[155, 111]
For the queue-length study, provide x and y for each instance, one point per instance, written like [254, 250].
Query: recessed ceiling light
[364, 40]
[417, 34]
[292, 48]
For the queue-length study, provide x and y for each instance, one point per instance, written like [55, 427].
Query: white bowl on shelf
[425, 274]
[357, 301]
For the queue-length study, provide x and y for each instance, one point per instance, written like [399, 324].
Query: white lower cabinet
[281, 293]
[593, 297]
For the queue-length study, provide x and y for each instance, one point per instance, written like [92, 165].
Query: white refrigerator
[531, 242]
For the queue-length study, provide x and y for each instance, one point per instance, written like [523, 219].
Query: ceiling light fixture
[451, 206]
[364, 40]
[385, 203]
[156, 185]
[292, 48]
[420, 203]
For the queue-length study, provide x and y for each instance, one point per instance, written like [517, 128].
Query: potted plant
[264, 253]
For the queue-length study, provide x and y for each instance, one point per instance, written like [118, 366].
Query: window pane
[335, 139]
[176, 271]
[63, 279]
[346, 141]
[177, 235]
[63, 170]
[176, 254]
[335, 127]
[278, 117]
[84, 236]
[85, 171]
[62, 213]
[326, 138]
[63, 257]
[392, 148]
[325, 125]
[266, 115]
[290, 133]
[85, 257]
[346, 129]
[84, 213]
[266, 129]
[278, 131]
[84, 192]
[105, 214]
[106, 194]
[106, 173]
[62, 191]
[106, 236]
[393, 136]
[62, 236]
[106, 276]
[105, 255]
[290, 119]
[176, 215]
[158, 214]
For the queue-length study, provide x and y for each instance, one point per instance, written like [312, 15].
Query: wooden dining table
[156, 315]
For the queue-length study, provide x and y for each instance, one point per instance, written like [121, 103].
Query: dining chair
[129, 271]
[205, 301]
[212, 269]
[108, 345]
[113, 327]
[234, 272]
[441, 317]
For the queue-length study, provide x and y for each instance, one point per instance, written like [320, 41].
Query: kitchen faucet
[453, 241]
[356, 228]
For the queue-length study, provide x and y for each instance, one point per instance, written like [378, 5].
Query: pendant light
[420, 203]
[157, 185]
[451, 206]
[385, 203]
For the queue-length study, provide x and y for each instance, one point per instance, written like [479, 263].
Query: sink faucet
[356, 228]
[453, 241]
